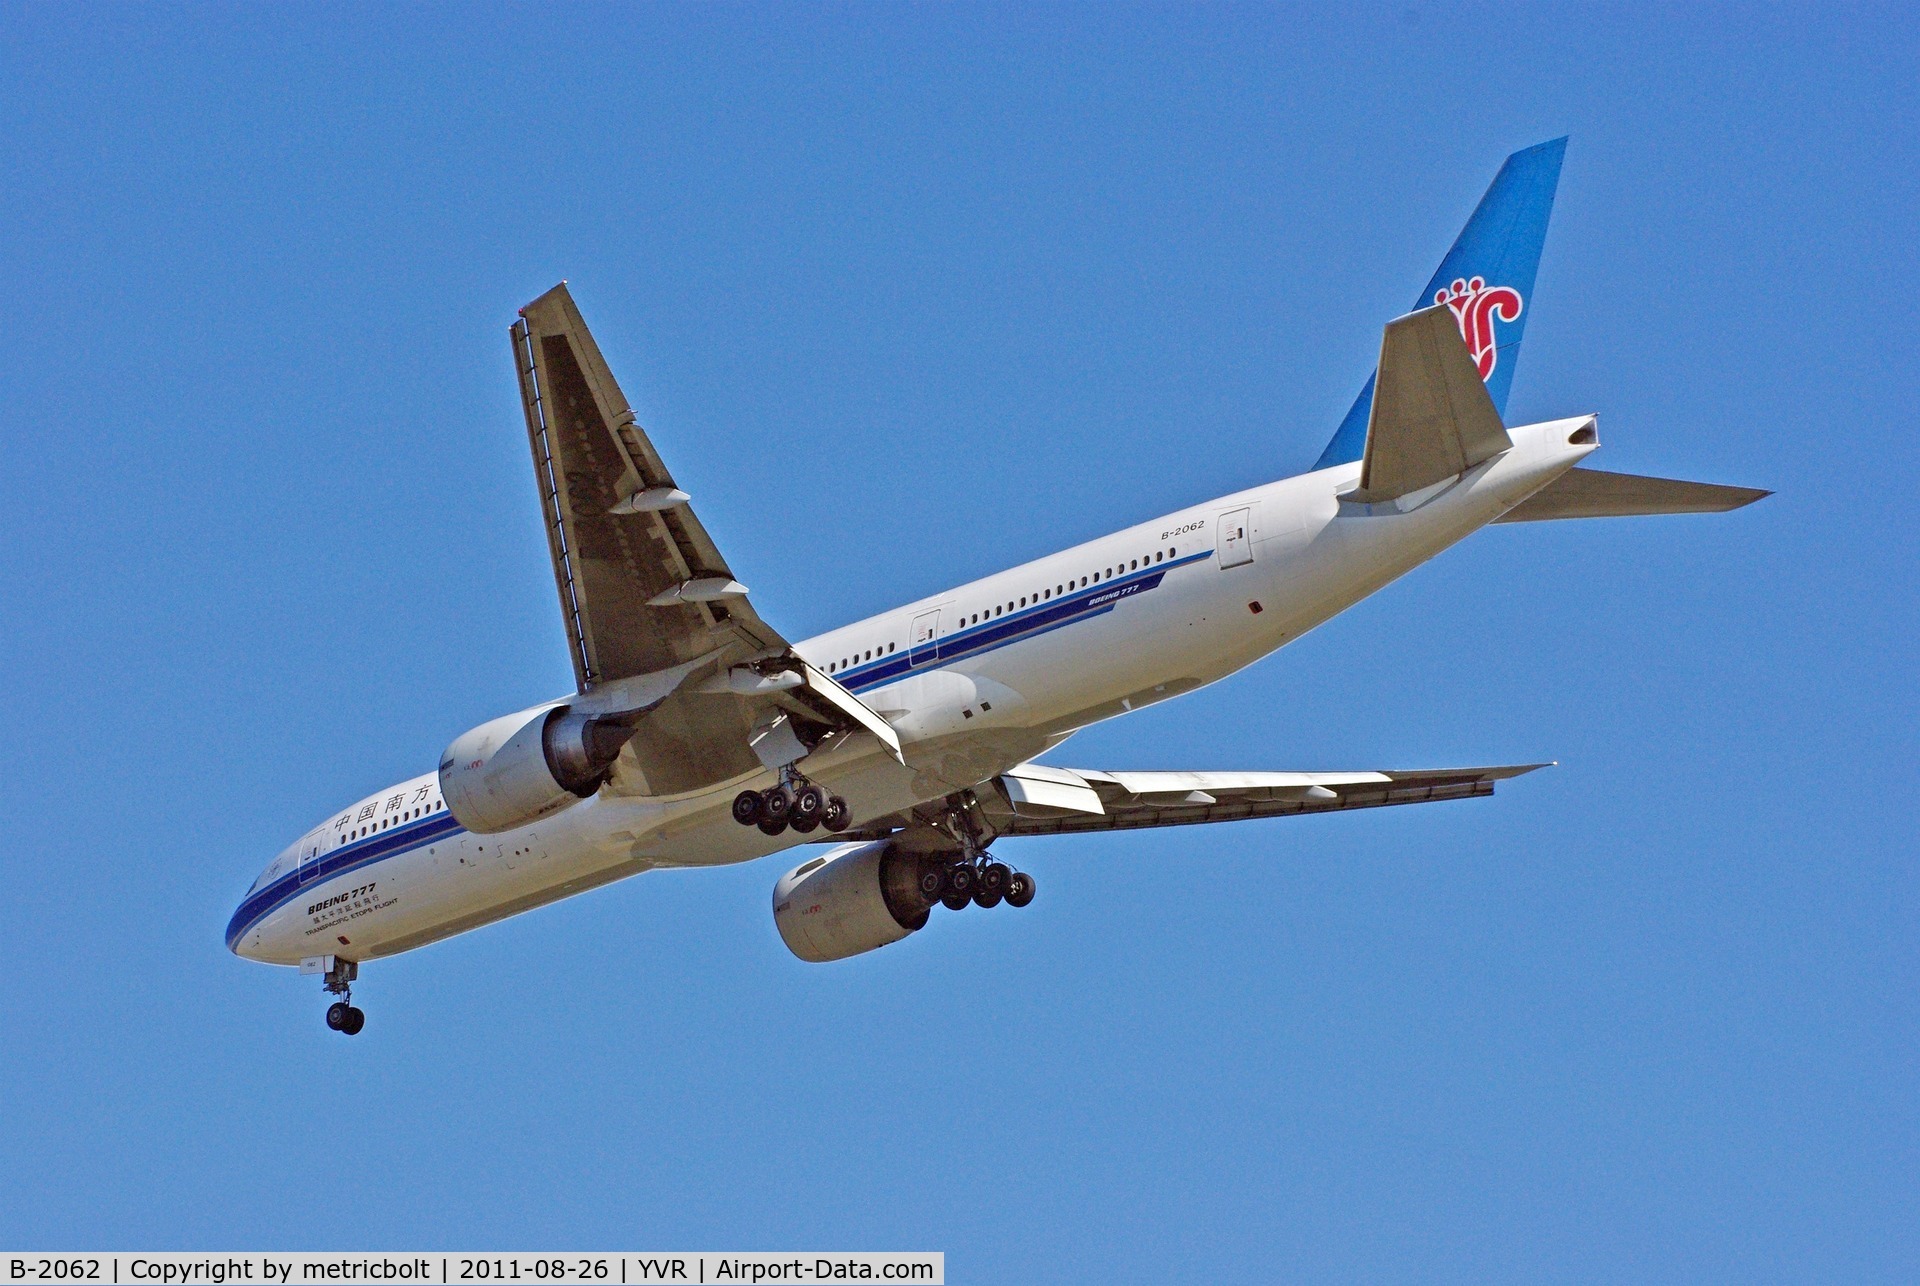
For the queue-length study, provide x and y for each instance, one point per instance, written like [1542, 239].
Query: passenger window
[1172, 552]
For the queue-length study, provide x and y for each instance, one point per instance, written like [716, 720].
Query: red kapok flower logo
[1475, 306]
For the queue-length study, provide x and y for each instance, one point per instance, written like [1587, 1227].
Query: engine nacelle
[857, 899]
[522, 767]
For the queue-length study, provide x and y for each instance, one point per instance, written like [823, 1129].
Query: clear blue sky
[907, 295]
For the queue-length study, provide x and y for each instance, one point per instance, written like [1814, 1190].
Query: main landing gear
[981, 882]
[973, 876]
[795, 803]
[343, 1015]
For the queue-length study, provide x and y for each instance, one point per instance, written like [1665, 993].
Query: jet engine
[522, 767]
[857, 898]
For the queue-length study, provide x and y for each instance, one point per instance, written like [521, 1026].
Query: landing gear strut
[974, 877]
[343, 1015]
[795, 802]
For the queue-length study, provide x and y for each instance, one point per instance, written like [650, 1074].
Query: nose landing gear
[342, 1015]
[795, 802]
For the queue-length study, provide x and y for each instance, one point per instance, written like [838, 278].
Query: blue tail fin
[1487, 279]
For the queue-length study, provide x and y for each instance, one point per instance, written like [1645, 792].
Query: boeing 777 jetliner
[698, 735]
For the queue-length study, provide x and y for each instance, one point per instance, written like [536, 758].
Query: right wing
[642, 586]
[1056, 801]
[1035, 799]
[656, 623]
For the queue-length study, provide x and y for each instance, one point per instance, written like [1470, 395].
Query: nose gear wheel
[343, 1015]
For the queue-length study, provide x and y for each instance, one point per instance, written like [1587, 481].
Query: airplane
[698, 735]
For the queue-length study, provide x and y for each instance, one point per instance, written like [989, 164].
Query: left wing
[1034, 799]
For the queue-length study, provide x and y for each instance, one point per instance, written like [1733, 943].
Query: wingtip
[560, 289]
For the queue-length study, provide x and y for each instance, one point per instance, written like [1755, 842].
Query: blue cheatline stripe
[1041, 618]
[977, 640]
[348, 857]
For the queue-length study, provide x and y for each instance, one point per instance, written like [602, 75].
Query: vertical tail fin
[1486, 280]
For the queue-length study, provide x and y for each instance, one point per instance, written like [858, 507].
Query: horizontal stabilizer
[1592, 493]
[1432, 418]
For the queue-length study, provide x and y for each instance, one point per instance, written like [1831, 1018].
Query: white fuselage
[975, 681]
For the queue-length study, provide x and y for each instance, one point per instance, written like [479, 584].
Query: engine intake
[522, 767]
[857, 898]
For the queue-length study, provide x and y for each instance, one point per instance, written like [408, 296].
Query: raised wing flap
[1039, 790]
[827, 689]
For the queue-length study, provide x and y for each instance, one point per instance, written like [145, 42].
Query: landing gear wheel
[746, 807]
[933, 884]
[1019, 889]
[809, 802]
[803, 825]
[992, 884]
[337, 1015]
[956, 884]
[354, 1022]
[776, 804]
[772, 825]
[836, 817]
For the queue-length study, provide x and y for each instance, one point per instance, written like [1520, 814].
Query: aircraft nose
[236, 931]
[242, 939]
